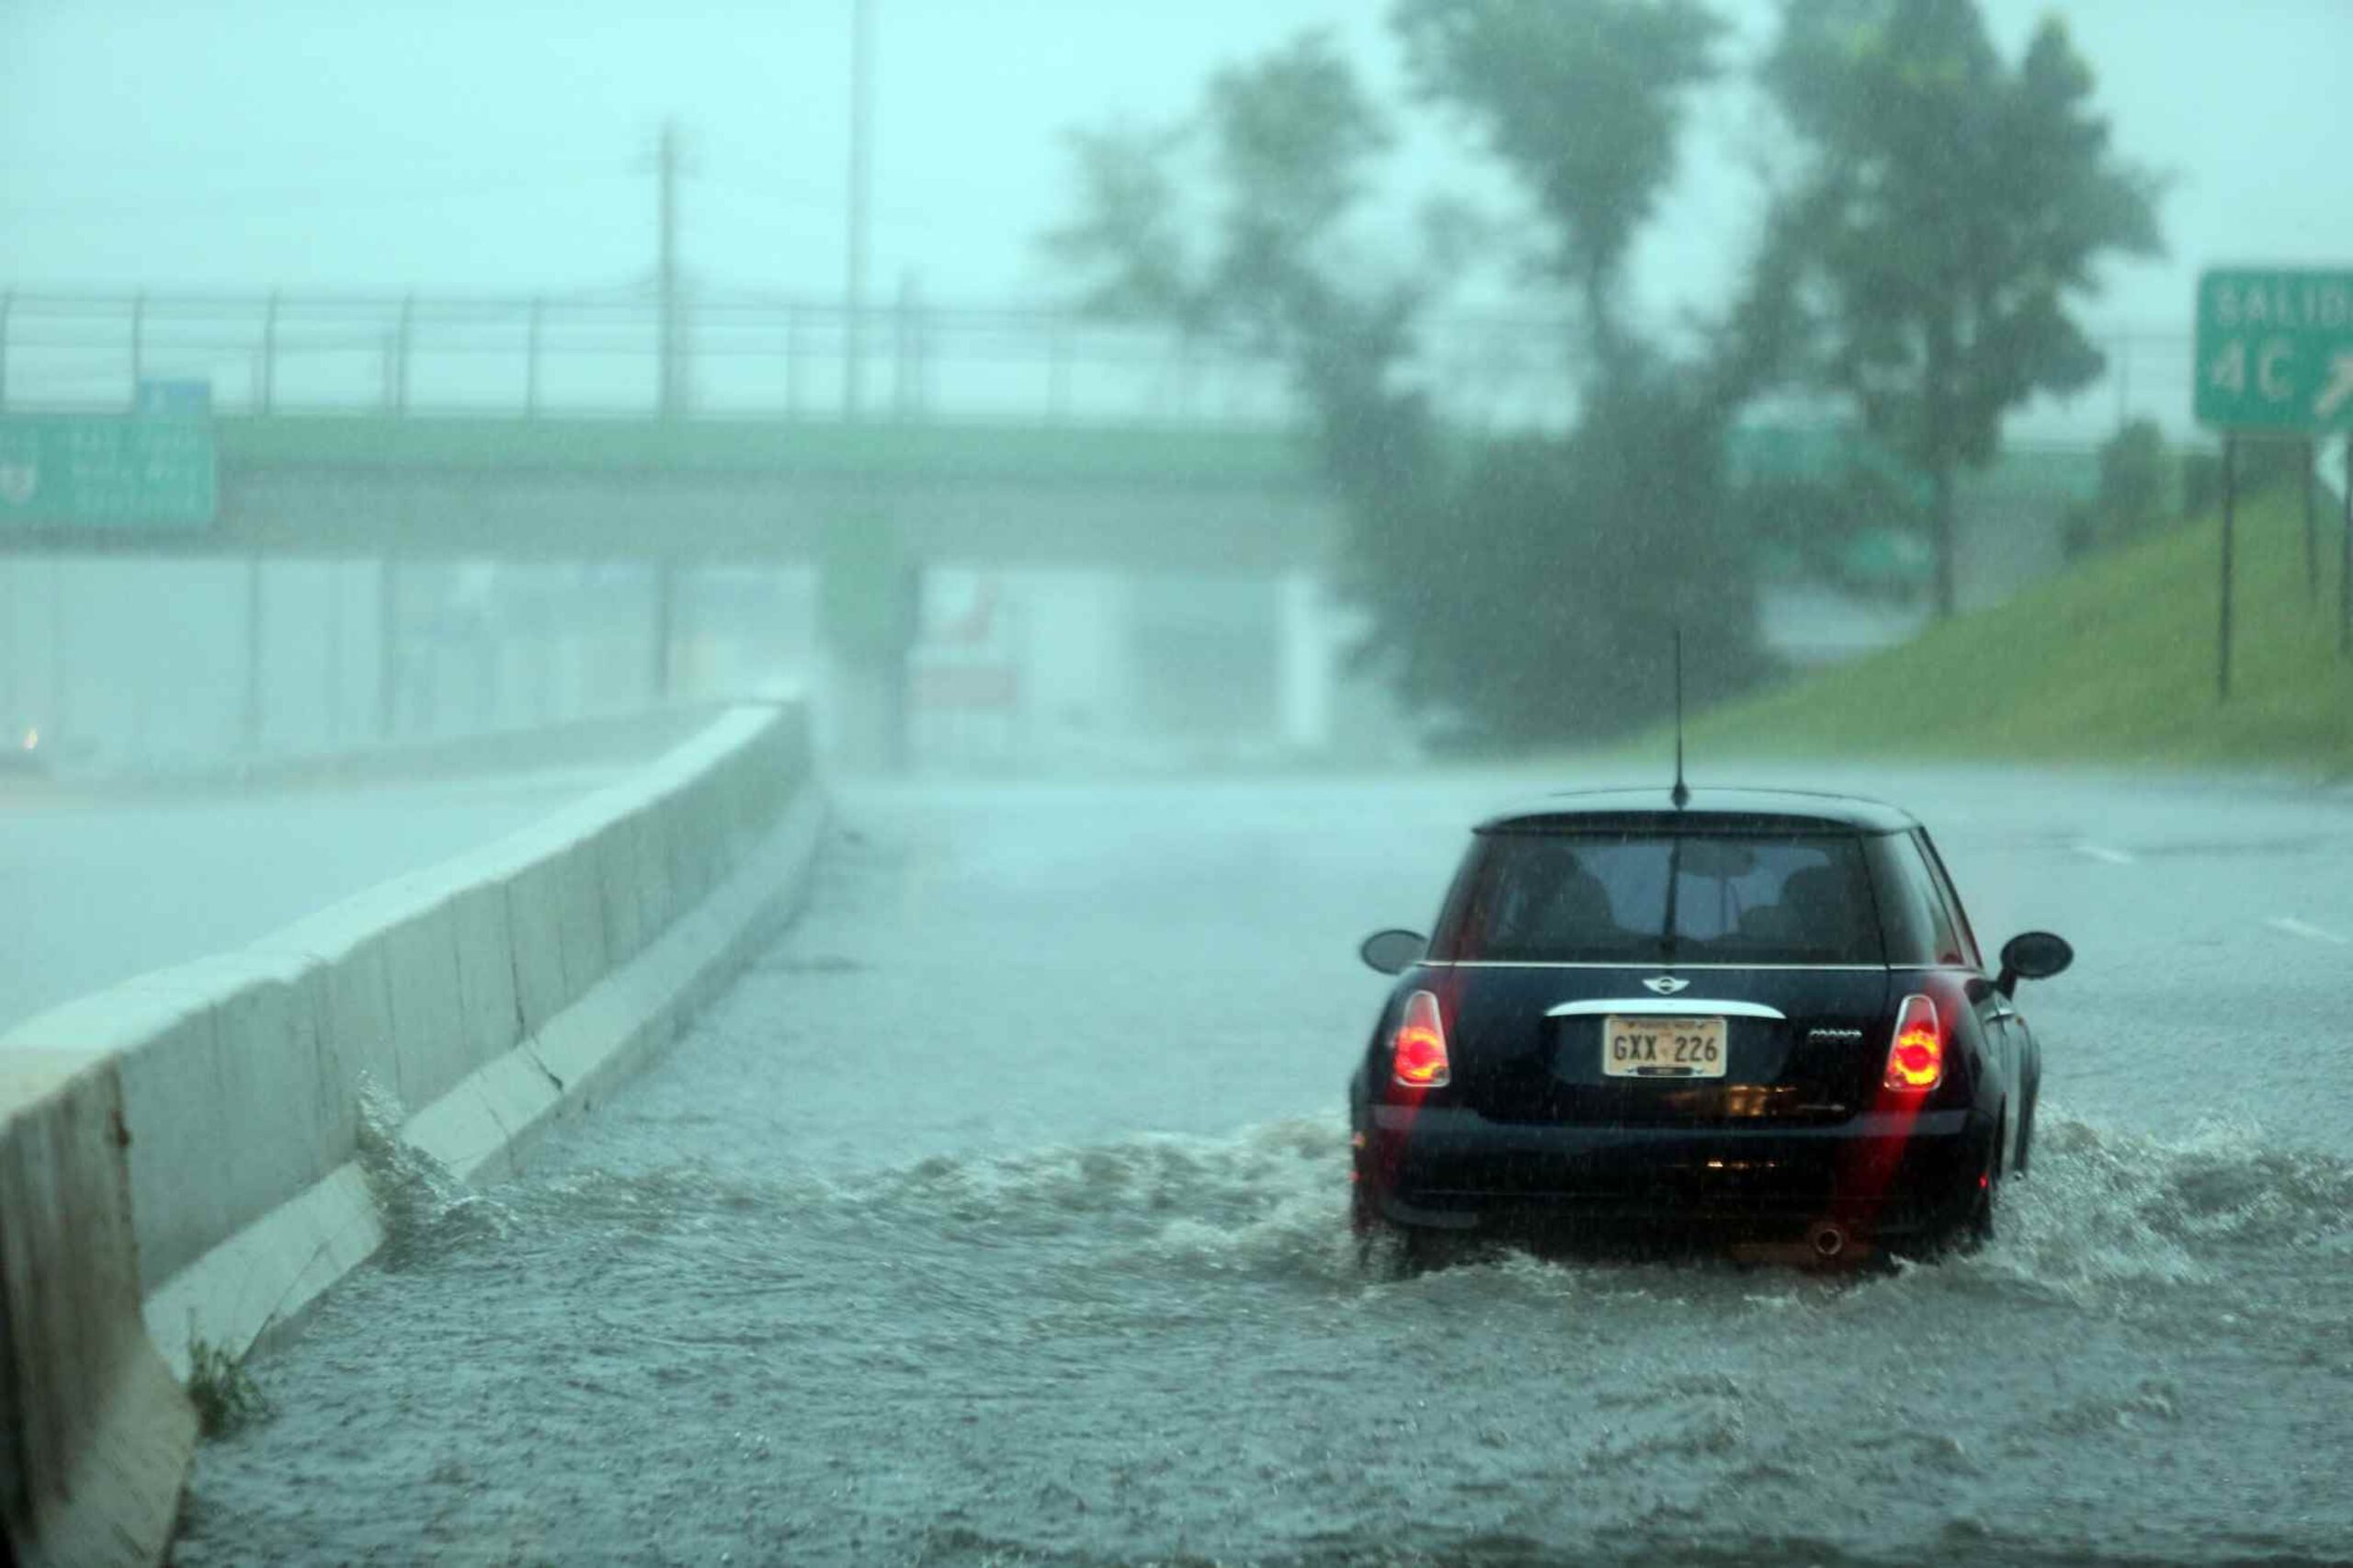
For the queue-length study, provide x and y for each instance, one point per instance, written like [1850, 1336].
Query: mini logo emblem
[1667, 985]
[17, 483]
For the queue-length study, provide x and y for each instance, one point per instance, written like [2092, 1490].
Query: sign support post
[2312, 524]
[2230, 528]
[2275, 358]
[2344, 580]
[138, 337]
[387, 647]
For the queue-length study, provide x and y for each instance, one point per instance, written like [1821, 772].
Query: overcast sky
[503, 145]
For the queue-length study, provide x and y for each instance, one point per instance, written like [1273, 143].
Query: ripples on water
[1165, 1350]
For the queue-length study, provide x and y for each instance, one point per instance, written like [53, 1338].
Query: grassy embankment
[2111, 662]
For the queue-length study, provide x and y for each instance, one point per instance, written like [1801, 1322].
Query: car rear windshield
[1780, 898]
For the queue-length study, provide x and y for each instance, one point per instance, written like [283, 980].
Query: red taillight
[1417, 1057]
[1917, 1060]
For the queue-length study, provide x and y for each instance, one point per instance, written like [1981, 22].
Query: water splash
[2104, 1212]
[425, 1208]
[2105, 1207]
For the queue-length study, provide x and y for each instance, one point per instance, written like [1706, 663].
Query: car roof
[1708, 810]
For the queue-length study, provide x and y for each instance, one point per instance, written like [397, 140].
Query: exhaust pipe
[1827, 1239]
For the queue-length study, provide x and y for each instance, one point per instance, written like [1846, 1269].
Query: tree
[1520, 590]
[1584, 103]
[1291, 140]
[1956, 209]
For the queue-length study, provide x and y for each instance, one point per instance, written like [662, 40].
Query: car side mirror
[2032, 955]
[1394, 952]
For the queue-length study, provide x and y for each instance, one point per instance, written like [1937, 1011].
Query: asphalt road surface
[99, 887]
[997, 1217]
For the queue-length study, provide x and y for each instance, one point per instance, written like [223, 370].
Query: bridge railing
[732, 357]
[773, 356]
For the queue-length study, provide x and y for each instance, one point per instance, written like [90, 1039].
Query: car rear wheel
[1977, 1229]
[1975, 1226]
[1385, 1249]
[1389, 1251]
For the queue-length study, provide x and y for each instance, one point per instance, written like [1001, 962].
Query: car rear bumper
[1889, 1174]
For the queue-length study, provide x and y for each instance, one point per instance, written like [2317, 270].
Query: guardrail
[773, 356]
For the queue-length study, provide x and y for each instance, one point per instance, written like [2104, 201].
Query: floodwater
[997, 1217]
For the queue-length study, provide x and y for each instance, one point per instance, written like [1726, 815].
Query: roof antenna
[1682, 796]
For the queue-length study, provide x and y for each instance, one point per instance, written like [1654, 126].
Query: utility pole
[666, 615]
[250, 718]
[390, 647]
[12, 716]
[861, 190]
[666, 273]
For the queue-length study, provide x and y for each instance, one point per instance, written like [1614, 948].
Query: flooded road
[997, 1217]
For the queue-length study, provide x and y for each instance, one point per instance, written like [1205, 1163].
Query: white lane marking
[2102, 853]
[2295, 927]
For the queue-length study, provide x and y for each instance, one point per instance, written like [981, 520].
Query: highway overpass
[742, 491]
[870, 507]
[534, 431]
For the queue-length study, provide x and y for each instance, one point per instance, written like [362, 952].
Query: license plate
[1662, 1048]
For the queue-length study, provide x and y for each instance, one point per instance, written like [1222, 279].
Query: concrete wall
[186, 1147]
[89, 1414]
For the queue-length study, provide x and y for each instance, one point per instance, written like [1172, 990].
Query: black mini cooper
[1756, 1014]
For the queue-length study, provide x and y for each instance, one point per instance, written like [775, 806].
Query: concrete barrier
[212, 1114]
[87, 1409]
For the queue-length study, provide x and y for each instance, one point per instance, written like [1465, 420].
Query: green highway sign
[68, 474]
[2275, 351]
